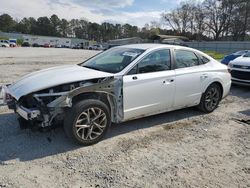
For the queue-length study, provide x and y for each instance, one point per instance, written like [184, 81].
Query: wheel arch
[217, 82]
[104, 97]
[91, 95]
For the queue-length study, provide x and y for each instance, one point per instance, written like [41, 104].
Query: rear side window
[185, 59]
[204, 60]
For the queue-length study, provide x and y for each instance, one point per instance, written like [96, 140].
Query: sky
[135, 12]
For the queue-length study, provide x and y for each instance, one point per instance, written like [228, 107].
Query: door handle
[204, 76]
[168, 81]
[134, 78]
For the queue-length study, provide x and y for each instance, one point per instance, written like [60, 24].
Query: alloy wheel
[91, 123]
[212, 98]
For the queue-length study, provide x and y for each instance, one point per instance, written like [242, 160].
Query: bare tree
[179, 19]
[217, 14]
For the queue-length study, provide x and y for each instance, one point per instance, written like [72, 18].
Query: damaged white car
[118, 85]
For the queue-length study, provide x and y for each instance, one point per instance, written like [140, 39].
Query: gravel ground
[184, 148]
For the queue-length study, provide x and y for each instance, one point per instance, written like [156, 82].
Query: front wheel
[87, 121]
[210, 99]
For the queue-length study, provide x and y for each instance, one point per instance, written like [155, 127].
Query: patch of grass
[215, 55]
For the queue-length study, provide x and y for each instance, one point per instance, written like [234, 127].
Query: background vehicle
[11, 43]
[26, 44]
[77, 46]
[58, 46]
[46, 45]
[4, 44]
[96, 47]
[35, 45]
[120, 84]
[240, 70]
[233, 56]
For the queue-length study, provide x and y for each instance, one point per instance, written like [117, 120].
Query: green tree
[7, 24]
[44, 26]
[64, 28]
[55, 25]
[24, 26]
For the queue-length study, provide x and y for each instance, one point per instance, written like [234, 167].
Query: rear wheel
[211, 98]
[87, 121]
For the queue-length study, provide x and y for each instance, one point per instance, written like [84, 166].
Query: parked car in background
[35, 45]
[26, 44]
[46, 45]
[4, 44]
[11, 44]
[77, 46]
[233, 56]
[120, 84]
[58, 46]
[96, 47]
[240, 70]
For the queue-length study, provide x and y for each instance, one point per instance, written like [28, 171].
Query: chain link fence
[220, 46]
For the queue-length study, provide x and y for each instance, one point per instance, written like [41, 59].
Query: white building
[41, 40]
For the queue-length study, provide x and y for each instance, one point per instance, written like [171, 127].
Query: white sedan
[4, 44]
[240, 70]
[120, 84]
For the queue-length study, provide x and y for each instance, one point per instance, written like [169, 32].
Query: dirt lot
[184, 148]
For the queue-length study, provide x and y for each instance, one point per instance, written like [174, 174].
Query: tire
[210, 98]
[81, 125]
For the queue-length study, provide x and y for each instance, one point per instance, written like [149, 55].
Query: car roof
[153, 46]
[147, 46]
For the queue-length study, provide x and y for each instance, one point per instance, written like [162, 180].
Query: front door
[149, 87]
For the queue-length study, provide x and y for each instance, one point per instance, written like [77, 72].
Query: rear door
[190, 78]
[149, 87]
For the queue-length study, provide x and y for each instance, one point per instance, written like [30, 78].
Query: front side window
[113, 60]
[185, 59]
[156, 61]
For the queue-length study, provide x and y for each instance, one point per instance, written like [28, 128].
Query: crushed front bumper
[28, 114]
[2, 95]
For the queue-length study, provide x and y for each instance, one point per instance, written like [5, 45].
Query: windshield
[113, 60]
[247, 54]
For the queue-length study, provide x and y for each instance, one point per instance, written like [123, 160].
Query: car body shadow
[25, 145]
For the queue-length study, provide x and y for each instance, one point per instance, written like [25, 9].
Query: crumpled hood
[52, 77]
